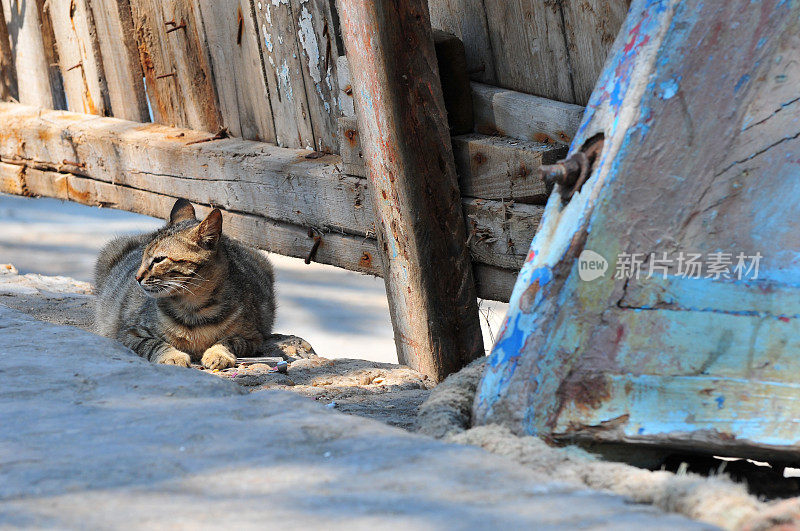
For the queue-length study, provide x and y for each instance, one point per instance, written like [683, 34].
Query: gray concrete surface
[92, 436]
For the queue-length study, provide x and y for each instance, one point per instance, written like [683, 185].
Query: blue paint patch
[640, 431]
[668, 88]
[720, 400]
[761, 42]
[742, 80]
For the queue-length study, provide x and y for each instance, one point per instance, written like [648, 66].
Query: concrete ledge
[92, 436]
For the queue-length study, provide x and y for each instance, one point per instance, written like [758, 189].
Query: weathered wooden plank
[467, 20]
[275, 183]
[8, 72]
[498, 233]
[231, 40]
[523, 116]
[349, 252]
[350, 148]
[488, 167]
[341, 250]
[453, 76]
[79, 56]
[529, 49]
[413, 185]
[495, 167]
[31, 44]
[175, 64]
[123, 72]
[591, 27]
[494, 283]
[283, 69]
[346, 105]
[318, 48]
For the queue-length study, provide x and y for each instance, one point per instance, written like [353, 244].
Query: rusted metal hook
[313, 233]
[572, 172]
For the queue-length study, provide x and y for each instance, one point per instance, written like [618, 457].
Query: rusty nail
[366, 259]
[348, 90]
[182, 25]
[171, 74]
[313, 233]
[170, 22]
[80, 64]
[73, 163]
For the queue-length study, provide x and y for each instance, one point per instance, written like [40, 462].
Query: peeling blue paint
[668, 89]
[742, 80]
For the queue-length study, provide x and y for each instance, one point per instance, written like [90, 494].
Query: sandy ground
[341, 313]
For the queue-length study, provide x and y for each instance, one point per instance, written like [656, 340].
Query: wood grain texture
[255, 178]
[318, 49]
[283, 69]
[283, 238]
[120, 57]
[176, 67]
[412, 181]
[591, 27]
[499, 233]
[488, 167]
[32, 51]
[8, 72]
[346, 105]
[231, 41]
[530, 52]
[340, 250]
[467, 20]
[493, 167]
[79, 56]
[523, 116]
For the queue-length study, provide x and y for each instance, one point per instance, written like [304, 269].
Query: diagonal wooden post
[406, 144]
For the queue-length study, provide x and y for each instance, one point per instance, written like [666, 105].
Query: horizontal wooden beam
[272, 196]
[488, 167]
[503, 112]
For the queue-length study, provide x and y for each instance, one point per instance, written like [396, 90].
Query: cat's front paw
[218, 357]
[173, 356]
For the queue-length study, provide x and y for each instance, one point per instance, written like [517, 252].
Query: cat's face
[172, 262]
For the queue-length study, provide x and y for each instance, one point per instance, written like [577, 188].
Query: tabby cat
[185, 293]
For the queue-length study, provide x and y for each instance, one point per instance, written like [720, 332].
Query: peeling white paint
[308, 40]
[283, 78]
[259, 6]
[278, 2]
[268, 14]
[267, 39]
[271, 61]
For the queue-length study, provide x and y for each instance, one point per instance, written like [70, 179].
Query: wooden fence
[253, 112]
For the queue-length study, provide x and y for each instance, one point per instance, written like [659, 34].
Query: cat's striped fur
[185, 293]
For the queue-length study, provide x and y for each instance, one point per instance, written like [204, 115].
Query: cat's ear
[181, 211]
[210, 229]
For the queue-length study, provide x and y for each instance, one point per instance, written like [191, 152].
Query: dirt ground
[386, 392]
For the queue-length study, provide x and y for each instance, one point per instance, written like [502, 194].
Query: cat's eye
[158, 259]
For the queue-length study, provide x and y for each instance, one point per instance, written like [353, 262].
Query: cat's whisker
[188, 280]
[187, 283]
[178, 285]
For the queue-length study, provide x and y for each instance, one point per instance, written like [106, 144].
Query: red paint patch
[784, 319]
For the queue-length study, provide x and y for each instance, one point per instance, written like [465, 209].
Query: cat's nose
[140, 276]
